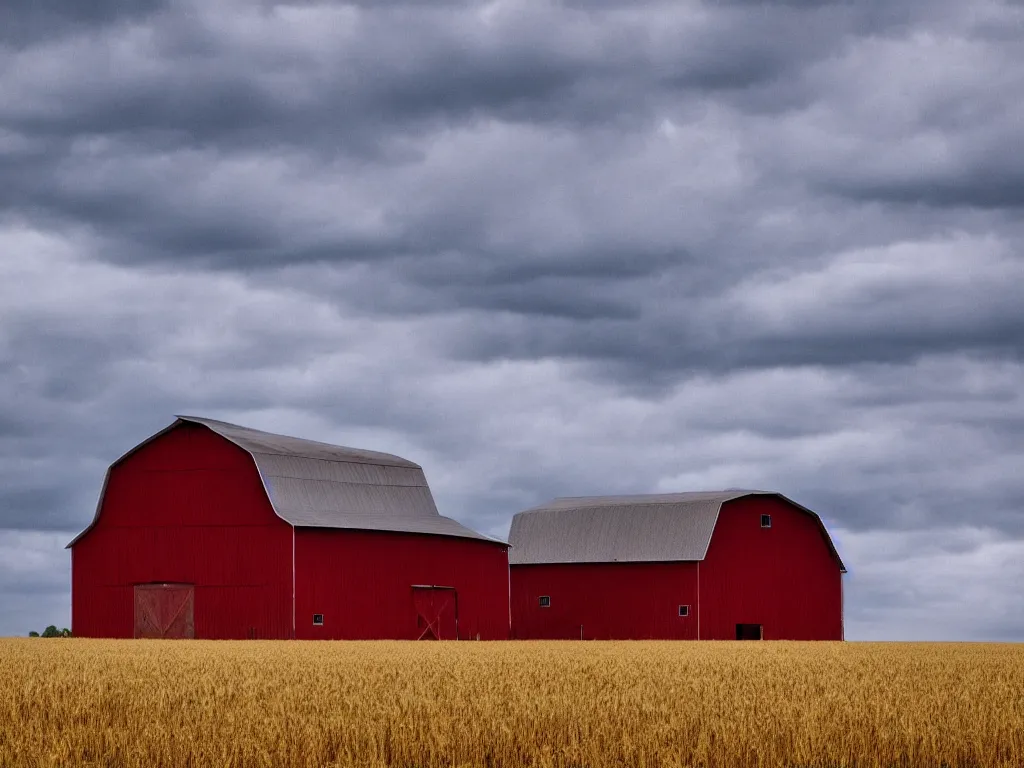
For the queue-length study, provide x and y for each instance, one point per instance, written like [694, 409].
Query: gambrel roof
[627, 529]
[319, 485]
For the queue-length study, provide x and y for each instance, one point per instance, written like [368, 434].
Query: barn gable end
[184, 513]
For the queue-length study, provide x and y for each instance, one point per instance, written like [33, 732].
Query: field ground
[66, 702]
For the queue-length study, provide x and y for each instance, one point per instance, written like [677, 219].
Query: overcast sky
[541, 249]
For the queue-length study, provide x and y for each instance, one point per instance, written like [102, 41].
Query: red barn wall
[187, 507]
[611, 601]
[783, 578]
[361, 582]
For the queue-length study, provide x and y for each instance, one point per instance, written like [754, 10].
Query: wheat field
[69, 702]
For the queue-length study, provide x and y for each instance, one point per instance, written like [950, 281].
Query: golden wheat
[165, 703]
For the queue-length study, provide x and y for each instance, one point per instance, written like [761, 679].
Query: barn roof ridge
[644, 499]
[261, 441]
[667, 527]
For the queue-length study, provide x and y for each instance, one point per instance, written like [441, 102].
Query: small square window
[684, 610]
[766, 521]
[318, 619]
[544, 601]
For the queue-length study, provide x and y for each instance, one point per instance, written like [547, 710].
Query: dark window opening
[318, 619]
[544, 601]
[748, 631]
[684, 610]
[766, 521]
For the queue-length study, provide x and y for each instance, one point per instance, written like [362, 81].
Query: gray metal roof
[645, 528]
[257, 441]
[313, 484]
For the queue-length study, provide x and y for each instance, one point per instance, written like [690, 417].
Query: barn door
[748, 631]
[437, 612]
[164, 611]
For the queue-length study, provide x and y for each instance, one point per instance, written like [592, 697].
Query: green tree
[51, 631]
[33, 634]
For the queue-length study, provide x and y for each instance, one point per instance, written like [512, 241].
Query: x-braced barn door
[165, 611]
[437, 612]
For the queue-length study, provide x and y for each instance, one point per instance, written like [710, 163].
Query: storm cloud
[541, 249]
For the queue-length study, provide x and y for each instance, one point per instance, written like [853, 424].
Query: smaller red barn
[701, 566]
[213, 530]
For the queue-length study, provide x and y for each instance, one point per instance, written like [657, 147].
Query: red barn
[700, 566]
[212, 530]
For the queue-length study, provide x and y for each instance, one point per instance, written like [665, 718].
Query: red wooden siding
[613, 601]
[362, 582]
[186, 508]
[783, 578]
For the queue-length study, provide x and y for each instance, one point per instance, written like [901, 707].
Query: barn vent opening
[684, 610]
[544, 601]
[766, 521]
[318, 619]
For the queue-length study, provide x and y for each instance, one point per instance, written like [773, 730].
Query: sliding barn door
[437, 612]
[165, 611]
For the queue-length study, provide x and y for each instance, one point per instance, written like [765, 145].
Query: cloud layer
[542, 249]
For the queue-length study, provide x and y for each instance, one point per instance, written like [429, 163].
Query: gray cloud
[30, 22]
[33, 582]
[542, 250]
